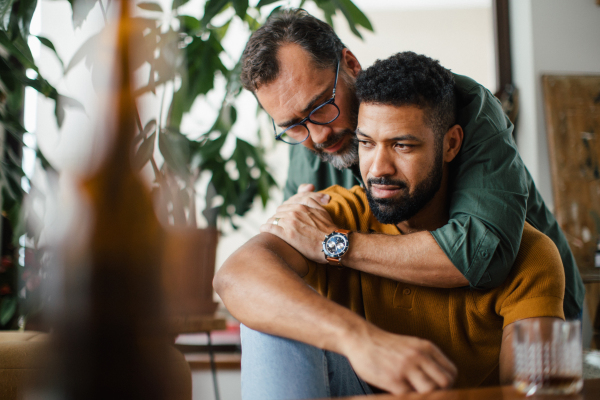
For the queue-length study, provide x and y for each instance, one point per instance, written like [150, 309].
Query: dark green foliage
[15, 60]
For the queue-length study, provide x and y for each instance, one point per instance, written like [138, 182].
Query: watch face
[336, 245]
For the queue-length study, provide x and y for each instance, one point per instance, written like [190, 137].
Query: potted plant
[20, 267]
[184, 54]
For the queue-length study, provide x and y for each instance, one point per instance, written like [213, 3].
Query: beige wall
[461, 39]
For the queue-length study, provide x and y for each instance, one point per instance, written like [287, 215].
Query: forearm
[415, 259]
[263, 289]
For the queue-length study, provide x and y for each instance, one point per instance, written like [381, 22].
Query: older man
[363, 330]
[303, 76]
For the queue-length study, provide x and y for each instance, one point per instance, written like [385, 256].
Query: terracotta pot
[188, 271]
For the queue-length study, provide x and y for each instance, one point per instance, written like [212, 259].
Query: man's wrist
[352, 332]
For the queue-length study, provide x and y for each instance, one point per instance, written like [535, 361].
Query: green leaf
[201, 66]
[212, 8]
[45, 163]
[188, 24]
[46, 42]
[26, 10]
[329, 10]
[81, 9]
[178, 3]
[240, 7]
[150, 6]
[357, 15]
[8, 307]
[263, 3]
[150, 127]
[144, 152]
[19, 49]
[5, 11]
[62, 102]
[174, 147]
[212, 148]
[211, 213]
[253, 24]
[221, 31]
[353, 15]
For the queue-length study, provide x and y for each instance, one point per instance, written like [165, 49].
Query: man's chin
[342, 159]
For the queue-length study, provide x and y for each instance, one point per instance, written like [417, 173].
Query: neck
[433, 215]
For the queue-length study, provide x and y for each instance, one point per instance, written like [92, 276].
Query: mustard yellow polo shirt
[465, 324]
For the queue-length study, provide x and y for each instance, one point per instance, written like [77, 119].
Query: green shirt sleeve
[488, 200]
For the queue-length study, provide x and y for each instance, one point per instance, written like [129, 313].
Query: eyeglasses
[323, 114]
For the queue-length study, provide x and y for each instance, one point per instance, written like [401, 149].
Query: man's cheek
[308, 144]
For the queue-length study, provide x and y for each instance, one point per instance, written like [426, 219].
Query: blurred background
[201, 143]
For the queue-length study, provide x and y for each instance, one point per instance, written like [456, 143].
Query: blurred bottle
[110, 339]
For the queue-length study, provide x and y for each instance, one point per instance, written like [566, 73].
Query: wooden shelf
[196, 323]
[223, 361]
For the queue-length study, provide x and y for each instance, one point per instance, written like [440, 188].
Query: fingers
[401, 387]
[421, 381]
[270, 227]
[299, 210]
[318, 199]
[447, 367]
[435, 375]
[306, 187]
[432, 370]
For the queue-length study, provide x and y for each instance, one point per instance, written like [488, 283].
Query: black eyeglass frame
[303, 122]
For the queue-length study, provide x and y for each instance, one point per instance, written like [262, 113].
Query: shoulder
[479, 112]
[535, 286]
[348, 208]
[538, 256]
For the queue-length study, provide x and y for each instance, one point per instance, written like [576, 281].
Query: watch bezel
[343, 251]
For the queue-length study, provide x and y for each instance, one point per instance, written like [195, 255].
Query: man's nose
[382, 164]
[319, 133]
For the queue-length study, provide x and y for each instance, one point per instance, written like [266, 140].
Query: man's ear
[351, 62]
[452, 141]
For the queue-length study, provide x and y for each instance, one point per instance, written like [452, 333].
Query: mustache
[387, 181]
[333, 139]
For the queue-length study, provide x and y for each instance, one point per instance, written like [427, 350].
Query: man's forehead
[383, 120]
[296, 85]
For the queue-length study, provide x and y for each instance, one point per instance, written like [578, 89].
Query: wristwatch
[335, 246]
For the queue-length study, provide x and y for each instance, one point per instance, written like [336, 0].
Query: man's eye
[364, 143]
[404, 146]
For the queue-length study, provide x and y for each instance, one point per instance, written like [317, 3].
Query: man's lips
[385, 191]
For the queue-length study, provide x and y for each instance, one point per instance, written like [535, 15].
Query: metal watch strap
[337, 261]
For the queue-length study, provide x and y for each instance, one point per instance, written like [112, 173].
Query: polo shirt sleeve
[488, 199]
[536, 285]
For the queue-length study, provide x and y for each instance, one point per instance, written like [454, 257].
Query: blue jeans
[274, 368]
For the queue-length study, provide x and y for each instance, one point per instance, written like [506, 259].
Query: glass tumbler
[547, 357]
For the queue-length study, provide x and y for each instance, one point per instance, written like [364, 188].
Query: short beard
[406, 206]
[347, 156]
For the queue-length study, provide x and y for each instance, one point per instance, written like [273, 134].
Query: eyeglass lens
[322, 115]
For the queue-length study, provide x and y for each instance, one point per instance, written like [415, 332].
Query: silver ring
[276, 222]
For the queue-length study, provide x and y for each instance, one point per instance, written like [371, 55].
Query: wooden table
[591, 391]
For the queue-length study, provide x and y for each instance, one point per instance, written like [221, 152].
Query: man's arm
[261, 286]
[415, 258]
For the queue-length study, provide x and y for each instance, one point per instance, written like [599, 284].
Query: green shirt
[491, 197]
